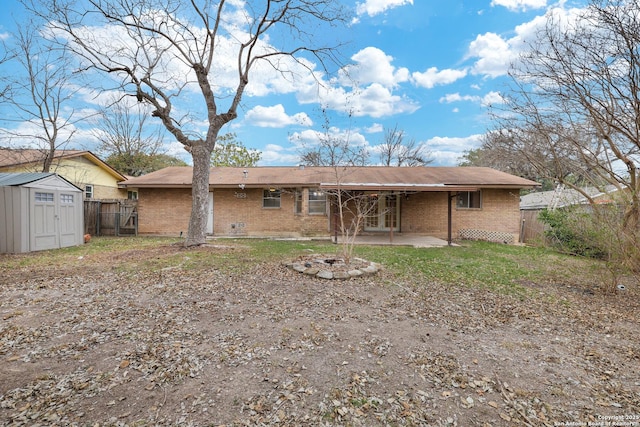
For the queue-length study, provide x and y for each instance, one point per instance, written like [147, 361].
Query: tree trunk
[197, 234]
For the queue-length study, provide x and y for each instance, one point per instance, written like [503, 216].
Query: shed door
[68, 219]
[44, 233]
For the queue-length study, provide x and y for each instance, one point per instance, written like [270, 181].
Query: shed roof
[36, 179]
[368, 177]
[21, 178]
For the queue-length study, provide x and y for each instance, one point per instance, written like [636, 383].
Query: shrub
[573, 230]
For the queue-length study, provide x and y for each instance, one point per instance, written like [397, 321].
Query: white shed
[39, 211]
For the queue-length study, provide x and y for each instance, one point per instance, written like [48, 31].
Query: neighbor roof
[563, 198]
[365, 178]
[27, 156]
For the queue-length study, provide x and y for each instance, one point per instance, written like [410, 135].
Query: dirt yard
[94, 343]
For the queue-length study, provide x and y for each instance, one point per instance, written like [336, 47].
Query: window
[66, 199]
[271, 198]
[132, 195]
[44, 197]
[317, 202]
[88, 191]
[469, 200]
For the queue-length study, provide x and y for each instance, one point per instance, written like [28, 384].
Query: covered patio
[416, 241]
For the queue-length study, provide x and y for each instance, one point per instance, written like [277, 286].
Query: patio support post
[449, 213]
[392, 203]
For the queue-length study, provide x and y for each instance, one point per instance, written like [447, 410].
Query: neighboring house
[83, 169]
[39, 211]
[533, 203]
[470, 202]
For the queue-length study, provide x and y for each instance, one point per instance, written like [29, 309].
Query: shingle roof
[371, 177]
[27, 156]
[561, 199]
[22, 156]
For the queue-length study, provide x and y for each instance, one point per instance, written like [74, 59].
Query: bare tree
[337, 151]
[128, 142]
[5, 56]
[40, 94]
[574, 108]
[576, 99]
[161, 51]
[396, 151]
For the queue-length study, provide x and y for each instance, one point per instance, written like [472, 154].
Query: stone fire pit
[333, 267]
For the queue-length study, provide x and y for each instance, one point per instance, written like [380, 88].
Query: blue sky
[429, 67]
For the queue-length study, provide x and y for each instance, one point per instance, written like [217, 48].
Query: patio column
[449, 214]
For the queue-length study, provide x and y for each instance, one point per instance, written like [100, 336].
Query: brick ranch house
[463, 202]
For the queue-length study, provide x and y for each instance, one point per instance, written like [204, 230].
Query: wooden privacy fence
[111, 217]
[531, 228]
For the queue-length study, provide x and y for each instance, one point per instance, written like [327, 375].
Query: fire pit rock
[333, 267]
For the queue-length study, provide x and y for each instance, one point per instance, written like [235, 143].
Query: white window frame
[66, 199]
[88, 191]
[270, 198]
[42, 196]
[466, 201]
[317, 206]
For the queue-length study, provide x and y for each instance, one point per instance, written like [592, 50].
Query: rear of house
[478, 203]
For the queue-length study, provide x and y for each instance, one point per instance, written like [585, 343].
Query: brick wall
[426, 213]
[241, 213]
[166, 211]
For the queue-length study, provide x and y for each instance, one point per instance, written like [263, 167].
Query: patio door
[383, 212]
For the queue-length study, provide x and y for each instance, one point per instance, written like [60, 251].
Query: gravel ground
[91, 343]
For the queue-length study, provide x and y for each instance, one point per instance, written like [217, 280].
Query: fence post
[98, 216]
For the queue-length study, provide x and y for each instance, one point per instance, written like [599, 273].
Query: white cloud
[433, 77]
[374, 128]
[276, 155]
[372, 65]
[447, 151]
[310, 138]
[376, 7]
[275, 117]
[522, 5]
[373, 101]
[495, 53]
[491, 98]
[456, 97]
